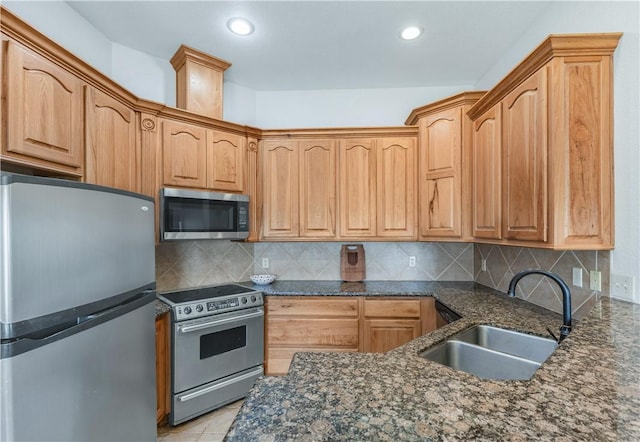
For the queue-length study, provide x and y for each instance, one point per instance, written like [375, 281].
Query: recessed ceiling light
[240, 26]
[411, 33]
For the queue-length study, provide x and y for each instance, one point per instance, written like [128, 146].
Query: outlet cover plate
[577, 277]
[595, 280]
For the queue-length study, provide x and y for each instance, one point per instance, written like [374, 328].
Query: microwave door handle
[204, 325]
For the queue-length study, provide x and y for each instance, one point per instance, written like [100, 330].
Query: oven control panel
[205, 307]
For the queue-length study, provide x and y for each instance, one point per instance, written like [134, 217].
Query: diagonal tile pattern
[183, 264]
[210, 427]
[505, 261]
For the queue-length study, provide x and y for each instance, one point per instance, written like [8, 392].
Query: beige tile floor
[210, 427]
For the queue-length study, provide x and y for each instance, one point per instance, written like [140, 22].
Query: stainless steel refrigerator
[77, 285]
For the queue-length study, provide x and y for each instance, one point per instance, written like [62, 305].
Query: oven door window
[196, 215]
[217, 343]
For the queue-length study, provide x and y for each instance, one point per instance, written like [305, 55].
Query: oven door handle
[214, 323]
[187, 397]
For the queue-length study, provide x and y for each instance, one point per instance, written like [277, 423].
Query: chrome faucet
[565, 329]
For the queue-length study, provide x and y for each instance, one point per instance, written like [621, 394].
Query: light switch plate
[622, 287]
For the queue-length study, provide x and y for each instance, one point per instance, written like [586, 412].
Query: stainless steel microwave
[193, 214]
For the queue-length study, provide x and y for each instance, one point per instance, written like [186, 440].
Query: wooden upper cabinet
[317, 188]
[580, 127]
[357, 188]
[184, 150]
[280, 189]
[44, 112]
[487, 154]
[395, 190]
[226, 158]
[556, 132]
[444, 167]
[524, 160]
[440, 174]
[112, 154]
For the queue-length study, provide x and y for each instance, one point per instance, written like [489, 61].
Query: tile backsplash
[182, 264]
[384, 260]
[503, 262]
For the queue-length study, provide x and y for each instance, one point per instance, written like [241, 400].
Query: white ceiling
[325, 44]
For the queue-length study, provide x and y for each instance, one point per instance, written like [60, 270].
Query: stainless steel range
[217, 347]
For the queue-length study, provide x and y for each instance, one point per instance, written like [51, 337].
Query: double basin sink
[493, 353]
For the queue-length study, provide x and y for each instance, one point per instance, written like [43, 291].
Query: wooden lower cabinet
[381, 335]
[341, 324]
[308, 323]
[162, 367]
[389, 323]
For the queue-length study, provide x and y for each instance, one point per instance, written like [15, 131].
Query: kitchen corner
[589, 389]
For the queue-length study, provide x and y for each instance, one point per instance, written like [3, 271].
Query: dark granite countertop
[161, 308]
[589, 389]
[367, 288]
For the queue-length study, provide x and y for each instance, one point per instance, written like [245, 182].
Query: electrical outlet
[483, 265]
[595, 280]
[265, 263]
[412, 261]
[577, 277]
[622, 287]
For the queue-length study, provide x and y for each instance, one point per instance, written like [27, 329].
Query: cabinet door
[381, 335]
[440, 151]
[396, 184]
[111, 156]
[317, 188]
[357, 188]
[226, 161]
[486, 198]
[524, 160]
[280, 189]
[44, 112]
[184, 148]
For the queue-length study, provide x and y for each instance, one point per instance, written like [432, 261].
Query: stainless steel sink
[515, 343]
[493, 353]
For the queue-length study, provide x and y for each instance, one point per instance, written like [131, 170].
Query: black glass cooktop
[202, 293]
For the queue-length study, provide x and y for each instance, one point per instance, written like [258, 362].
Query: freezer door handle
[48, 336]
[214, 323]
[226, 382]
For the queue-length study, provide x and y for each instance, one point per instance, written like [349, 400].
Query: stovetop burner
[211, 300]
[202, 293]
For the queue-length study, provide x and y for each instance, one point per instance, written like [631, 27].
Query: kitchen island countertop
[589, 389]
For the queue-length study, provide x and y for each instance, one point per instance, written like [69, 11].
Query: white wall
[239, 104]
[58, 21]
[344, 107]
[577, 17]
[144, 75]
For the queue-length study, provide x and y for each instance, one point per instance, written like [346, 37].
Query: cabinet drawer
[319, 332]
[312, 306]
[392, 308]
